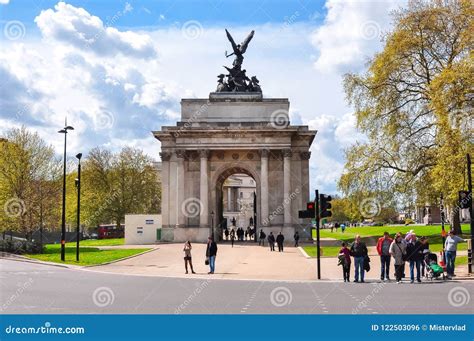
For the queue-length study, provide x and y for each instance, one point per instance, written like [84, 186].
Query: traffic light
[311, 208]
[310, 211]
[465, 199]
[325, 205]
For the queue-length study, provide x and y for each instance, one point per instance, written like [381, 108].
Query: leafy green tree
[409, 104]
[29, 182]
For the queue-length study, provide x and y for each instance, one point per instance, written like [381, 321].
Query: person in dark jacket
[211, 253]
[359, 252]
[261, 238]
[271, 241]
[280, 239]
[425, 249]
[297, 238]
[414, 256]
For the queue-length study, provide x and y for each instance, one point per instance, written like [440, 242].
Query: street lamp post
[63, 218]
[78, 185]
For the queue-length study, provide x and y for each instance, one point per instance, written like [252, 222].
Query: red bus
[108, 231]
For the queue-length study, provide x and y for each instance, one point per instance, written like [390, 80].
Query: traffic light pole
[469, 188]
[318, 245]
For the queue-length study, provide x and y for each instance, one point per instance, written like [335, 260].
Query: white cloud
[75, 26]
[352, 31]
[116, 95]
[4, 2]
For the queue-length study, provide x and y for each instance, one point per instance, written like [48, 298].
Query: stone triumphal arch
[233, 133]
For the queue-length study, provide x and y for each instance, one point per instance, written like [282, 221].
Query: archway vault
[217, 181]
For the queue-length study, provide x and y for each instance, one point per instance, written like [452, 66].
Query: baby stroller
[433, 269]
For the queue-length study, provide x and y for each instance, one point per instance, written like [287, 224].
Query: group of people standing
[403, 249]
[280, 239]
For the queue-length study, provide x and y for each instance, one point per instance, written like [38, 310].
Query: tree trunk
[456, 221]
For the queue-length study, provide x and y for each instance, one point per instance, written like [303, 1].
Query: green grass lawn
[461, 260]
[98, 242]
[370, 234]
[327, 251]
[377, 231]
[87, 255]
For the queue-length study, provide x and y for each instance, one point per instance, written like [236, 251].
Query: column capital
[204, 153]
[165, 156]
[180, 153]
[264, 152]
[305, 155]
[287, 152]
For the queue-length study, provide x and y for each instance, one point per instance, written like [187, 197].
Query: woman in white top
[187, 256]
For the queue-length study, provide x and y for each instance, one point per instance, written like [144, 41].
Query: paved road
[29, 288]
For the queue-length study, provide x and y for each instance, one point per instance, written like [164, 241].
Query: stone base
[193, 234]
[235, 96]
[167, 234]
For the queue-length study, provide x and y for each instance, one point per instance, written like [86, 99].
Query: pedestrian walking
[343, 228]
[398, 252]
[211, 253]
[271, 241]
[297, 238]
[261, 238]
[280, 239]
[359, 252]
[187, 257]
[450, 249]
[345, 261]
[383, 247]
[414, 257]
[226, 232]
[232, 237]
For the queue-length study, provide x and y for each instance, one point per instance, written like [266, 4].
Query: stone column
[264, 187]
[287, 187]
[229, 199]
[180, 154]
[165, 188]
[204, 190]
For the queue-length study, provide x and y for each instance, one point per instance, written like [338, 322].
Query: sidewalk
[247, 261]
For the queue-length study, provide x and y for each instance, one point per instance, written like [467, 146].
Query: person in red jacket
[383, 246]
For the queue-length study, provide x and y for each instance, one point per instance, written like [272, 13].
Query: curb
[305, 255]
[20, 258]
[121, 259]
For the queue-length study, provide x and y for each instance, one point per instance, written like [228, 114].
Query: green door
[158, 234]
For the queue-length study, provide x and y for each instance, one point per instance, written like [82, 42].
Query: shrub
[20, 246]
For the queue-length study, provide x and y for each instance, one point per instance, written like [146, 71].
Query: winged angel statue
[237, 80]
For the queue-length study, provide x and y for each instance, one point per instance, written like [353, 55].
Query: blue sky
[118, 69]
[150, 13]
